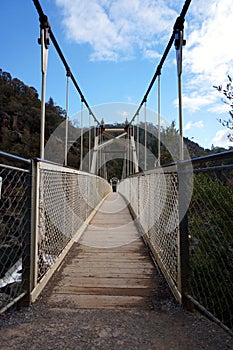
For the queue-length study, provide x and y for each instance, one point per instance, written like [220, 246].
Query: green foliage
[227, 93]
[170, 141]
[20, 117]
[170, 144]
[210, 228]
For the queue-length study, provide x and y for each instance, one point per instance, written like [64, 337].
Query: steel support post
[37, 186]
[67, 116]
[135, 158]
[145, 143]
[89, 145]
[179, 43]
[26, 248]
[81, 141]
[138, 139]
[159, 121]
[183, 282]
[44, 41]
[94, 157]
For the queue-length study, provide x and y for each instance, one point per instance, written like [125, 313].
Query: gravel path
[166, 327]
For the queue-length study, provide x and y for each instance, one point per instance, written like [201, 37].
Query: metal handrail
[14, 157]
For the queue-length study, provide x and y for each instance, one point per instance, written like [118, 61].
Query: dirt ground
[165, 327]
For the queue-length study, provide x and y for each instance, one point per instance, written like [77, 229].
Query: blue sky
[113, 48]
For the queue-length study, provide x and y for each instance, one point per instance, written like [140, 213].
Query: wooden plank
[113, 273]
[142, 292]
[110, 257]
[110, 266]
[101, 301]
[134, 246]
[105, 282]
[94, 266]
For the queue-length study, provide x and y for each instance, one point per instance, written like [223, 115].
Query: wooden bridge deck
[110, 266]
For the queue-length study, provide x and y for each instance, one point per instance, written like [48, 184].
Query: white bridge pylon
[101, 147]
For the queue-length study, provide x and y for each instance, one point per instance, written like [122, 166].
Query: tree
[20, 117]
[170, 144]
[227, 93]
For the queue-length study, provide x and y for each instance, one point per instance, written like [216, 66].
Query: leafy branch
[227, 93]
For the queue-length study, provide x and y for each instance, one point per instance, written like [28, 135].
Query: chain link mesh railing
[163, 233]
[66, 199]
[154, 200]
[14, 229]
[211, 241]
[157, 201]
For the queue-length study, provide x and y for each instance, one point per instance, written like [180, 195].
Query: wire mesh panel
[134, 193]
[164, 230]
[14, 232]
[66, 199]
[160, 202]
[154, 199]
[55, 221]
[144, 202]
[211, 241]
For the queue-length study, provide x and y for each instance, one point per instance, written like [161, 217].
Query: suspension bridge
[108, 240]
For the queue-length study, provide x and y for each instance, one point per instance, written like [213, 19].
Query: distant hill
[20, 117]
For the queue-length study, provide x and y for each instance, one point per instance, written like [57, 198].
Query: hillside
[20, 117]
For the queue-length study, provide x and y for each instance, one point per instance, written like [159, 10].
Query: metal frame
[22, 297]
[38, 283]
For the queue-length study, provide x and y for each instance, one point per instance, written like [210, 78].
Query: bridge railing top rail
[13, 162]
[46, 164]
[210, 157]
[197, 164]
[14, 157]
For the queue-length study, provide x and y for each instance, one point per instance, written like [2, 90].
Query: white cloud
[116, 29]
[208, 55]
[221, 109]
[221, 139]
[190, 125]
[208, 45]
[151, 54]
[195, 101]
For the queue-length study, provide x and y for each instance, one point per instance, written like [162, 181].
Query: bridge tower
[125, 144]
[97, 143]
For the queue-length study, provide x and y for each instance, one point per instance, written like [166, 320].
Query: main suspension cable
[45, 23]
[177, 26]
